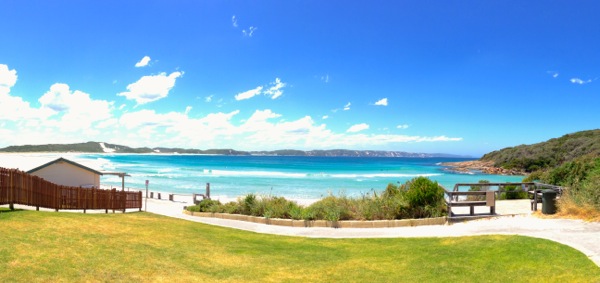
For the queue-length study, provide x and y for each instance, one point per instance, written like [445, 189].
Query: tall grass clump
[331, 208]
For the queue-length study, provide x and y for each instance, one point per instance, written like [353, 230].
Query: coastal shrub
[247, 204]
[391, 191]
[205, 205]
[387, 206]
[581, 179]
[309, 213]
[277, 207]
[296, 212]
[425, 197]
[421, 191]
[367, 207]
[513, 192]
[230, 207]
[478, 189]
[332, 208]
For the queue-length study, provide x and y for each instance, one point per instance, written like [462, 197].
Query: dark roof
[65, 160]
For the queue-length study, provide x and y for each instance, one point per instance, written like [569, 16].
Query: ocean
[292, 177]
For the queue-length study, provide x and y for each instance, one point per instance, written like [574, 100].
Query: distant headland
[101, 147]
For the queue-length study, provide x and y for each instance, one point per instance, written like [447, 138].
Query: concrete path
[583, 236]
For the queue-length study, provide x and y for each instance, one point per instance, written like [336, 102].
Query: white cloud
[357, 128]
[13, 108]
[325, 78]
[579, 81]
[553, 74]
[382, 102]
[325, 117]
[8, 78]
[347, 106]
[208, 98]
[403, 126]
[250, 31]
[187, 110]
[275, 90]
[234, 21]
[151, 88]
[249, 93]
[143, 63]
[74, 110]
[149, 118]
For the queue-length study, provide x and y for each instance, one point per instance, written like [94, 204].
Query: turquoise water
[289, 176]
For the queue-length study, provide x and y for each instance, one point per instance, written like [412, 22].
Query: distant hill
[100, 147]
[548, 154]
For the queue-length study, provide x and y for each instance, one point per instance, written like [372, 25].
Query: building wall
[63, 173]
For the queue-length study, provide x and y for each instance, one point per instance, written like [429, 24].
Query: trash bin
[548, 201]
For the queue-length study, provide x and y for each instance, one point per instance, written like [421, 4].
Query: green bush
[205, 205]
[332, 208]
[513, 192]
[581, 178]
[425, 197]
[478, 189]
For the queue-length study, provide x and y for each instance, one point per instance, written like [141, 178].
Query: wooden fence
[17, 187]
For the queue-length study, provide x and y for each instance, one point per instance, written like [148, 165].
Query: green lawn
[133, 247]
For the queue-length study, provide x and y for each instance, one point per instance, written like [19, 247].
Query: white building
[68, 173]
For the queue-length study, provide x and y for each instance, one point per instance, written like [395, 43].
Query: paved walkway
[583, 236]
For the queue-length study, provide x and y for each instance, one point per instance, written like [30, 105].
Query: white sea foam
[278, 174]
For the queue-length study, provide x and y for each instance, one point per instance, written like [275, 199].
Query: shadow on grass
[6, 210]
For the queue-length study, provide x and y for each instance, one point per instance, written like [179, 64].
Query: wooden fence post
[140, 200]
[10, 192]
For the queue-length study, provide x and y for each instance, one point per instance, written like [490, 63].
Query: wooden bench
[453, 201]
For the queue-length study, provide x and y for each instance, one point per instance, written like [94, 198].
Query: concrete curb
[324, 223]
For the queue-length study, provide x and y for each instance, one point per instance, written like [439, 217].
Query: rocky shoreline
[487, 167]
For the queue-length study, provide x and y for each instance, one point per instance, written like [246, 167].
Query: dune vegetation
[417, 198]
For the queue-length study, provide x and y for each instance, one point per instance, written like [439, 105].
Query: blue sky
[462, 77]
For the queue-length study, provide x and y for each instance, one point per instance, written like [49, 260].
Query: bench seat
[470, 203]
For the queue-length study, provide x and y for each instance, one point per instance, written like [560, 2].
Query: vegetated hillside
[88, 147]
[549, 154]
[98, 147]
[76, 147]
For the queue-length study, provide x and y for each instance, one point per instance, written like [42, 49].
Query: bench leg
[492, 210]
[472, 210]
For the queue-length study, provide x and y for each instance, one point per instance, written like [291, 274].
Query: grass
[143, 247]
